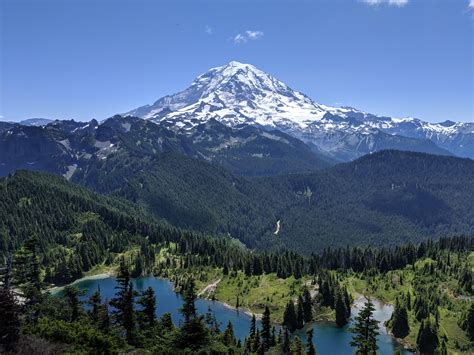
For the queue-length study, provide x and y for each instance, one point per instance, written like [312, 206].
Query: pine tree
[341, 311]
[253, 327]
[366, 331]
[347, 301]
[285, 344]
[300, 313]
[72, 293]
[104, 318]
[256, 341]
[297, 347]
[27, 277]
[229, 337]
[95, 303]
[427, 339]
[123, 302]
[189, 298]
[289, 317]
[307, 306]
[194, 334]
[166, 321]
[266, 329]
[310, 349]
[10, 321]
[399, 321]
[148, 312]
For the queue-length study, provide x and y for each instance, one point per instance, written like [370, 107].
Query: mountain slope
[386, 198]
[66, 147]
[75, 227]
[240, 94]
[188, 193]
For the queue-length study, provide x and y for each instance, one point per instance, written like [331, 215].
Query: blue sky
[90, 59]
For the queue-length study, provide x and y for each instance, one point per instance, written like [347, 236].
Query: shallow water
[328, 338]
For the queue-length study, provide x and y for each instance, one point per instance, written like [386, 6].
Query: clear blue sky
[93, 58]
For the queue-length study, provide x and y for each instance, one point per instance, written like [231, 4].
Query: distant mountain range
[239, 94]
[239, 153]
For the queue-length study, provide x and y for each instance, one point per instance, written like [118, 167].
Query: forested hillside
[75, 229]
[188, 193]
[385, 198]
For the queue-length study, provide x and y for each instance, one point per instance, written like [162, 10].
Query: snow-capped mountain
[239, 94]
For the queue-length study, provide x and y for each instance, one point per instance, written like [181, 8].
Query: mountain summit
[239, 94]
[234, 94]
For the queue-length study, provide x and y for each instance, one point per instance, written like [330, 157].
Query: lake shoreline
[357, 305]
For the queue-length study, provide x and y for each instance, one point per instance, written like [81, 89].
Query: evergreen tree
[10, 321]
[253, 327]
[285, 344]
[72, 293]
[297, 347]
[104, 317]
[341, 311]
[427, 339]
[256, 341]
[310, 349]
[193, 333]
[366, 331]
[27, 276]
[166, 321]
[148, 312]
[123, 302]
[189, 298]
[307, 306]
[95, 303]
[289, 317]
[348, 302]
[266, 329]
[300, 313]
[399, 321]
[228, 336]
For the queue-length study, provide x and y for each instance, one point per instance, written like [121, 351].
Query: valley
[236, 177]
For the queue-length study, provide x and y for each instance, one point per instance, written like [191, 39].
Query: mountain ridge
[237, 94]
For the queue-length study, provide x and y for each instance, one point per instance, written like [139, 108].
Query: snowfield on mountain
[238, 94]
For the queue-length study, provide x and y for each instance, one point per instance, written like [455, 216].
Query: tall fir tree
[300, 313]
[10, 321]
[341, 311]
[427, 340]
[95, 303]
[366, 330]
[72, 294]
[148, 312]
[189, 298]
[266, 329]
[399, 321]
[297, 346]
[228, 336]
[307, 306]
[285, 343]
[123, 302]
[289, 317]
[193, 333]
[310, 349]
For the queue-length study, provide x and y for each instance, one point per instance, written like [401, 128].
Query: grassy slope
[257, 291]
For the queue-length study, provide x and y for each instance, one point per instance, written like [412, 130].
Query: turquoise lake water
[328, 338]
